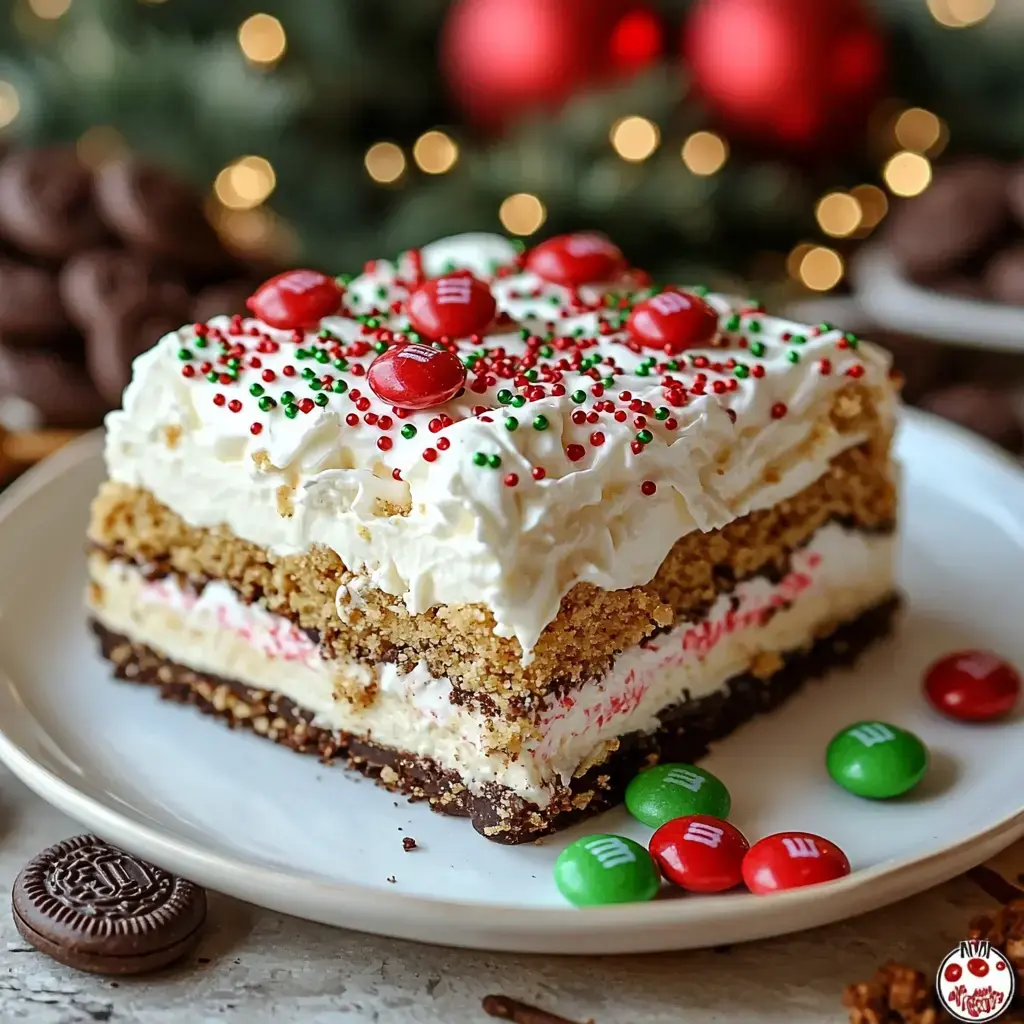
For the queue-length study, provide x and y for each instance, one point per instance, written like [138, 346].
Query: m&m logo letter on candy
[673, 322]
[454, 306]
[789, 860]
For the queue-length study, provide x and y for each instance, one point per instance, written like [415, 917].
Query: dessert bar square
[498, 528]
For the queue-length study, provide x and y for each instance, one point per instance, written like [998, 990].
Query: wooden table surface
[255, 966]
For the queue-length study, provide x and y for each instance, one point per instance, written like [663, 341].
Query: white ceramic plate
[246, 817]
[897, 303]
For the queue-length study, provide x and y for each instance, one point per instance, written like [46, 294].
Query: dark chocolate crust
[497, 813]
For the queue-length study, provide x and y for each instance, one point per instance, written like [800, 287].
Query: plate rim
[418, 917]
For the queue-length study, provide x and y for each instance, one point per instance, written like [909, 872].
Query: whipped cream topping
[838, 575]
[572, 455]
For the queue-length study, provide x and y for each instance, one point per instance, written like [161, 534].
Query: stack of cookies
[965, 233]
[96, 264]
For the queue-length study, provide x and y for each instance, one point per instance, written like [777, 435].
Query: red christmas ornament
[296, 299]
[973, 686]
[453, 306]
[788, 860]
[573, 260]
[504, 58]
[673, 322]
[700, 853]
[416, 376]
[800, 75]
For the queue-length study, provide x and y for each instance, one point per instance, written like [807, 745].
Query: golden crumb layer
[458, 641]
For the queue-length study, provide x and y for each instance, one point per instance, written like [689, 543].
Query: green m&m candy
[876, 759]
[670, 791]
[606, 869]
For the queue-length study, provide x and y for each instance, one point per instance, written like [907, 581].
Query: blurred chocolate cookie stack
[96, 264]
[963, 238]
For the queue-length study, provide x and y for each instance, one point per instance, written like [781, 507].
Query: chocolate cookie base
[684, 735]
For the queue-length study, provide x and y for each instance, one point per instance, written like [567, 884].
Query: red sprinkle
[855, 371]
[779, 410]
[352, 419]
[288, 371]
[188, 371]
[384, 443]
[575, 452]
[429, 454]
[235, 405]
[538, 472]
[443, 444]
[597, 439]
[219, 399]
[511, 480]
[648, 487]
[396, 474]
[825, 366]
[636, 447]
[306, 405]
[256, 428]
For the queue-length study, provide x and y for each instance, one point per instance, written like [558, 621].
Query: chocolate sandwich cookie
[113, 343]
[30, 306]
[155, 211]
[96, 908]
[46, 203]
[57, 387]
[964, 210]
[102, 284]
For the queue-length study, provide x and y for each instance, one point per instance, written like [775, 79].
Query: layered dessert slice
[497, 528]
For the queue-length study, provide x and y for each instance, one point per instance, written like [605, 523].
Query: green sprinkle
[524, 333]
[287, 398]
[408, 431]
[479, 459]
[266, 403]
[321, 399]
[645, 437]
[308, 373]
[511, 423]
[701, 290]
[470, 361]
[643, 370]
[184, 354]
[756, 348]
[340, 364]
[372, 322]
[519, 245]
[826, 326]
[321, 355]
[200, 343]
[852, 340]
[380, 346]
[494, 461]
[233, 364]
[324, 335]
[793, 356]
[532, 375]
[798, 339]
[518, 402]
[754, 326]
[339, 387]
[672, 364]
[212, 376]
[382, 292]
[554, 300]
[505, 396]
[733, 323]
[661, 413]
[741, 371]
[342, 280]
[608, 381]
[546, 351]
[413, 336]
[256, 390]
[315, 384]
[291, 411]
[302, 353]
[540, 423]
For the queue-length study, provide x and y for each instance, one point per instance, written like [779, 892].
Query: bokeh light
[100, 144]
[262, 39]
[246, 183]
[839, 214]
[874, 205]
[918, 130]
[705, 153]
[385, 162]
[522, 213]
[821, 268]
[907, 174]
[10, 104]
[960, 13]
[634, 138]
[435, 152]
[49, 10]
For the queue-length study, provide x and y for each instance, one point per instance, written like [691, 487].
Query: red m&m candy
[416, 376]
[673, 321]
[572, 260]
[700, 853]
[296, 299]
[453, 306]
[788, 860]
[973, 686]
